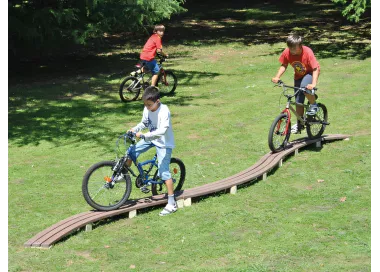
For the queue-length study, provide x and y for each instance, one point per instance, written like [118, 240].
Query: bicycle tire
[178, 173]
[278, 137]
[97, 195]
[126, 92]
[316, 124]
[168, 87]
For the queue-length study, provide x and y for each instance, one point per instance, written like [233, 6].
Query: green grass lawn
[221, 113]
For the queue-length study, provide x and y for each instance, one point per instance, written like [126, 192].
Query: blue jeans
[163, 157]
[303, 82]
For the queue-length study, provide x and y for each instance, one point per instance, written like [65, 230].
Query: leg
[154, 79]
[135, 151]
[300, 98]
[307, 79]
[155, 69]
[163, 157]
[169, 185]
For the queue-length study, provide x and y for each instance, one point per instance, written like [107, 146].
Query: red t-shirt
[303, 64]
[149, 51]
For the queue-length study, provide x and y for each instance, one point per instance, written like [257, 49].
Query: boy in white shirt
[156, 117]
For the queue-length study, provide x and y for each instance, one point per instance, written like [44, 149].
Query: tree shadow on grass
[258, 22]
[78, 108]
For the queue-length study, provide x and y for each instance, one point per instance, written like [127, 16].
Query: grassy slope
[222, 111]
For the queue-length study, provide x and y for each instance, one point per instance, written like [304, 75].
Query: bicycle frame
[141, 75]
[288, 109]
[152, 162]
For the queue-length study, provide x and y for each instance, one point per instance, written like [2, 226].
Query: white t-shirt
[160, 127]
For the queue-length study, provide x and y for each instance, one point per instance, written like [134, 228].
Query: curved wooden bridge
[53, 234]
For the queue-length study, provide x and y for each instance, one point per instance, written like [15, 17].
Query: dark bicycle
[132, 85]
[280, 129]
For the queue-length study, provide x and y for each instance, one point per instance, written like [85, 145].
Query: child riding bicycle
[156, 117]
[148, 53]
[306, 72]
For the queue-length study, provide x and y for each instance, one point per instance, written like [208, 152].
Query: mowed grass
[221, 113]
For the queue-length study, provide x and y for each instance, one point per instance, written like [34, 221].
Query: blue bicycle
[107, 185]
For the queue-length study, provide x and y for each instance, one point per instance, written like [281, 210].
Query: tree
[40, 27]
[353, 9]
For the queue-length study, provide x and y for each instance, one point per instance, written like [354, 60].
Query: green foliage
[37, 28]
[353, 9]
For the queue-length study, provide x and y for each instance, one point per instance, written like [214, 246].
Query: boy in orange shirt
[306, 72]
[151, 47]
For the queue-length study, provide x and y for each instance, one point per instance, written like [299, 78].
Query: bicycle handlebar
[280, 83]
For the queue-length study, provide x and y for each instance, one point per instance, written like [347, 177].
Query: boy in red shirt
[151, 47]
[306, 72]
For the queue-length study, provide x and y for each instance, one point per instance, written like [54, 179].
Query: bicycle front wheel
[167, 82]
[316, 124]
[129, 89]
[279, 133]
[102, 190]
[178, 173]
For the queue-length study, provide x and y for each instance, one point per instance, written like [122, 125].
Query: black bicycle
[280, 129]
[137, 81]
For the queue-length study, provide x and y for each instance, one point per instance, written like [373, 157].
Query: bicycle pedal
[144, 190]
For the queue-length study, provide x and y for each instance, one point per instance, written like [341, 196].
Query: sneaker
[168, 209]
[313, 109]
[294, 129]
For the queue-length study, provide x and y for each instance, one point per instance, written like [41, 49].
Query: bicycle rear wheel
[129, 89]
[178, 173]
[279, 133]
[167, 82]
[102, 190]
[316, 124]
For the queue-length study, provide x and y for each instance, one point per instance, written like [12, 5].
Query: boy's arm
[281, 70]
[315, 79]
[160, 51]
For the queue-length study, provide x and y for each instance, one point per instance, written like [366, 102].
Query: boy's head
[159, 30]
[151, 98]
[294, 42]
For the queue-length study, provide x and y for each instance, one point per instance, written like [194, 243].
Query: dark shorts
[303, 82]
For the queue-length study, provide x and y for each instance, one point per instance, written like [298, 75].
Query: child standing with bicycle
[156, 117]
[151, 47]
[306, 72]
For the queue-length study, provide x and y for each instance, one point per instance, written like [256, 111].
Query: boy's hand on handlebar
[310, 86]
[140, 135]
[275, 80]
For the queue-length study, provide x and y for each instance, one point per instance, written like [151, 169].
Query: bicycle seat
[139, 65]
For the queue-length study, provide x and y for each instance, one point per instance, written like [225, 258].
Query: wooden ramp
[49, 236]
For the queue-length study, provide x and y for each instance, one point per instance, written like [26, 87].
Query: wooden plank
[269, 161]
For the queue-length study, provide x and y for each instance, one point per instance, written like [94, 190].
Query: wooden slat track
[51, 235]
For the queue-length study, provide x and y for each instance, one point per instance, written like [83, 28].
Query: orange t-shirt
[149, 51]
[303, 64]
